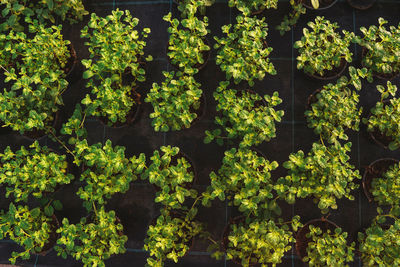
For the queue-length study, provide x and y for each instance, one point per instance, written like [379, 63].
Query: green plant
[190, 7]
[13, 10]
[335, 107]
[323, 49]
[386, 189]
[328, 248]
[253, 241]
[379, 245]
[92, 241]
[36, 68]
[249, 6]
[244, 179]
[115, 66]
[29, 228]
[323, 173]
[385, 116]
[106, 171]
[382, 48]
[171, 236]
[245, 116]
[172, 174]
[32, 172]
[175, 102]
[290, 20]
[243, 53]
[187, 46]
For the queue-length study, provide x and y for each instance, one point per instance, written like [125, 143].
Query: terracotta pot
[330, 74]
[375, 170]
[52, 239]
[323, 4]
[301, 239]
[361, 4]
[389, 76]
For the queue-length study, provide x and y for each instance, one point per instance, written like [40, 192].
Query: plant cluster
[322, 49]
[115, 65]
[250, 6]
[187, 47]
[32, 172]
[335, 107]
[382, 47]
[328, 248]
[29, 228]
[191, 7]
[244, 179]
[245, 116]
[244, 54]
[379, 245]
[35, 66]
[45, 10]
[175, 102]
[92, 240]
[385, 116]
[323, 173]
[386, 189]
[290, 20]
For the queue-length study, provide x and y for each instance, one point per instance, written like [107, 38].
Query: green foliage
[328, 248]
[336, 108]
[385, 116]
[106, 171]
[245, 116]
[292, 18]
[172, 174]
[29, 228]
[44, 10]
[323, 173]
[383, 48]
[171, 237]
[93, 241]
[74, 126]
[186, 44]
[322, 49]
[244, 179]
[35, 65]
[243, 53]
[249, 6]
[259, 241]
[386, 189]
[191, 7]
[175, 102]
[114, 67]
[379, 245]
[32, 172]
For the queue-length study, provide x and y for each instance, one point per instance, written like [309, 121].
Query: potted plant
[326, 247]
[334, 109]
[324, 173]
[115, 66]
[32, 229]
[93, 239]
[385, 189]
[290, 20]
[37, 68]
[245, 116]
[383, 121]
[378, 245]
[47, 10]
[323, 51]
[172, 175]
[188, 50]
[243, 53]
[381, 48]
[244, 180]
[248, 7]
[32, 172]
[190, 7]
[257, 241]
[106, 171]
[171, 236]
[177, 102]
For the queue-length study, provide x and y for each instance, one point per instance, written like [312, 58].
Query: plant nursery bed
[152, 190]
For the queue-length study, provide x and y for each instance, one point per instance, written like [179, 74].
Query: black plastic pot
[332, 74]
[40, 134]
[386, 77]
[361, 4]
